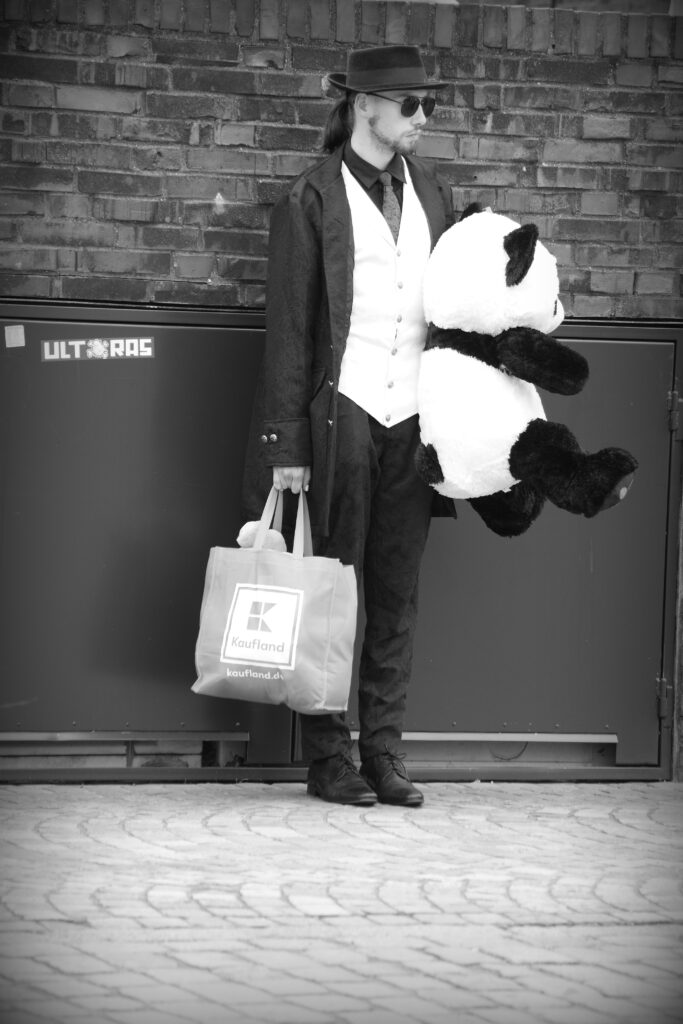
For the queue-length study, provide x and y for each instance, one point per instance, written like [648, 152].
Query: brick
[419, 24]
[16, 258]
[612, 102]
[612, 31]
[14, 124]
[80, 154]
[320, 19]
[30, 95]
[604, 204]
[592, 306]
[584, 73]
[346, 21]
[270, 27]
[444, 23]
[607, 128]
[672, 75]
[184, 107]
[93, 13]
[67, 11]
[23, 151]
[665, 130]
[648, 181]
[195, 14]
[494, 26]
[71, 207]
[570, 151]
[467, 27]
[371, 23]
[579, 229]
[103, 261]
[127, 46]
[144, 13]
[225, 161]
[568, 177]
[32, 285]
[637, 42]
[652, 283]
[638, 75]
[43, 179]
[104, 289]
[660, 36]
[235, 135]
[184, 50]
[317, 58]
[564, 32]
[304, 139]
[541, 29]
[612, 282]
[197, 266]
[219, 16]
[516, 28]
[68, 233]
[103, 182]
[22, 204]
[240, 243]
[188, 294]
[39, 69]
[171, 15]
[587, 43]
[659, 207]
[539, 97]
[244, 17]
[78, 97]
[296, 20]
[678, 38]
[261, 58]
[168, 236]
[119, 12]
[217, 80]
[241, 269]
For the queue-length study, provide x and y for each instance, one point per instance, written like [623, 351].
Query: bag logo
[263, 626]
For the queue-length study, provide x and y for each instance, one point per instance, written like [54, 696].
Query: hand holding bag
[278, 627]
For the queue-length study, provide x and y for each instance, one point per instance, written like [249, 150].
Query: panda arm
[541, 360]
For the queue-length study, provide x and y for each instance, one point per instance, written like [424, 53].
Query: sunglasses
[410, 104]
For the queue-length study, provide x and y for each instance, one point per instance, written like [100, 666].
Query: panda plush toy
[491, 297]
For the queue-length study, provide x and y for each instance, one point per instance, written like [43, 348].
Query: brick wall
[143, 141]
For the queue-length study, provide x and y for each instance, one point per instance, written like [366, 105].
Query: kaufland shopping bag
[278, 627]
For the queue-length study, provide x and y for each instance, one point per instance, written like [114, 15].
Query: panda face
[487, 275]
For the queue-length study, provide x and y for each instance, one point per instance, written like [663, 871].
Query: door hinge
[675, 414]
[664, 698]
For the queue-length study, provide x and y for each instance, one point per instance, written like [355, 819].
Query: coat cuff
[287, 442]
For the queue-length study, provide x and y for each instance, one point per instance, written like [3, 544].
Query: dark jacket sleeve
[294, 288]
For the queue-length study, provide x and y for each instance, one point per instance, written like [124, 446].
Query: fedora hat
[384, 67]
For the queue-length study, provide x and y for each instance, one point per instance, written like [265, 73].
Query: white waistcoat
[381, 361]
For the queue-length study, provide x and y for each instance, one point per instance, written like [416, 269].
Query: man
[336, 412]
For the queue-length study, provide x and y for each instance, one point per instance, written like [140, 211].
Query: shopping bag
[278, 627]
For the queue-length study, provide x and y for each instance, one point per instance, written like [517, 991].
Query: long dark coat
[308, 313]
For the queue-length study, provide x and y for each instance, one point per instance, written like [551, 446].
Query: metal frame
[670, 668]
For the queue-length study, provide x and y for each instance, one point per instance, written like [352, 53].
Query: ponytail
[339, 124]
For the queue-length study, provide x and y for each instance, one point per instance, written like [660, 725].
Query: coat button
[331, 383]
[330, 422]
[273, 438]
[264, 438]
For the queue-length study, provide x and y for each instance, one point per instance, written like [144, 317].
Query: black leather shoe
[387, 775]
[337, 780]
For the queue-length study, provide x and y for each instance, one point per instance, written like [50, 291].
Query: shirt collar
[368, 174]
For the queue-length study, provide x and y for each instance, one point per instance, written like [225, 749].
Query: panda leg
[427, 464]
[548, 456]
[509, 513]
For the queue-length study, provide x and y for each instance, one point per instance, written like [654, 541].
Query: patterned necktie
[390, 205]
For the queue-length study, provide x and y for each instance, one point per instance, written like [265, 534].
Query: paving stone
[494, 904]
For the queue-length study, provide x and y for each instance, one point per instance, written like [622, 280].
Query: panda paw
[427, 464]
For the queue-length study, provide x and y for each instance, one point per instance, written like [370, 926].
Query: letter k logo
[257, 614]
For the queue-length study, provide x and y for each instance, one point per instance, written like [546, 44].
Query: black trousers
[380, 519]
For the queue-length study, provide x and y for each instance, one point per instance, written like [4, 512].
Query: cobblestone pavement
[492, 904]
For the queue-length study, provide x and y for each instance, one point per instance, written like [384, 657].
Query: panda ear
[520, 245]
[472, 208]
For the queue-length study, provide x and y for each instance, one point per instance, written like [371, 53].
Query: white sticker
[14, 336]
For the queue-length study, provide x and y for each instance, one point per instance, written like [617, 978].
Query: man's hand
[291, 478]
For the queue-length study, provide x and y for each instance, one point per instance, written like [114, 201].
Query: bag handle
[272, 513]
[303, 542]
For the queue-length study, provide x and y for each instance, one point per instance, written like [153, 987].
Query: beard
[396, 143]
